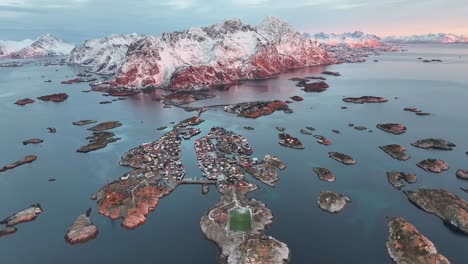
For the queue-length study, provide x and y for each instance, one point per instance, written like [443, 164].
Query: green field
[240, 219]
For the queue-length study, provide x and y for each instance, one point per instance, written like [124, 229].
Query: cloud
[41, 4]
[180, 4]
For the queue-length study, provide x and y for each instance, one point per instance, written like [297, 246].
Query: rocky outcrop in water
[446, 205]
[407, 245]
[33, 141]
[84, 122]
[365, 99]
[257, 109]
[82, 230]
[393, 128]
[27, 159]
[24, 101]
[395, 151]
[462, 174]
[105, 126]
[433, 165]
[23, 216]
[434, 143]
[398, 179]
[343, 158]
[59, 97]
[325, 174]
[332, 202]
[316, 87]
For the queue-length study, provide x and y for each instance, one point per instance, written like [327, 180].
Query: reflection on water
[358, 233]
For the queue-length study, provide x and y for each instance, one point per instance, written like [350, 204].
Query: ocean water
[172, 233]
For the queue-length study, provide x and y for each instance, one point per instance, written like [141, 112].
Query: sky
[78, 20]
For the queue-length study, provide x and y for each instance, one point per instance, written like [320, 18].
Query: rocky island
[27, 159]
[395, 151]
[393, 128]
[186, 97]
[257, 109]
[82, 230]
[433, 165]
[23, 216]
[290, 141]
[59, 97]
[105, 126]
[365, 99]
[99, 140]
[316, 87]
[343, 158]
[462, 174]
[397, 179]
[434, 143]
[33, 141]
[325, 174]
[24, 101]
[446, 205]
[407, 245]
[332, 202]
[84, 122]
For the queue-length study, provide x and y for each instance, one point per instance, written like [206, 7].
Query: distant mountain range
[427, 39]
[44, 46]
[355, 39]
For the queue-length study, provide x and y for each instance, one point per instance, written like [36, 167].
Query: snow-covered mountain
[355, 39]
[219, 54]
[8, 47]
[103, 55]
[427, 38]
[44, 46]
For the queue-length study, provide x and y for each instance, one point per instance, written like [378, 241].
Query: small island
[343, 158]
[433, 165]
[407, 245]
[393, 128]
[290, 141]
[395, 151]
[27, 159]
[332, 202]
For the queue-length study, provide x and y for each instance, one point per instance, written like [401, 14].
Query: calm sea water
[172, 233]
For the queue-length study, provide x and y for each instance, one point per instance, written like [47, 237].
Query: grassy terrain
[240, 219]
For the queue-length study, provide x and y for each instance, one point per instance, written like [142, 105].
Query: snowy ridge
[355, 39]
[8, 47]
[427, 39]
[44, 46]
[103, 55]
[219, 54]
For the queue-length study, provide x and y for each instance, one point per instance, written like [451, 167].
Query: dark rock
[335, 131]
[105, 102]
[59, 97]
[280, 129]
[360, 128]
[52, 130]
[33, 141]
[249, 128]
[297, 98]
[161, 128]
[105, 126]
[316, 78]
[331, 73]
[316, 87]
[24, 101]
[305, 132]
[84, 122]
[365, 99]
